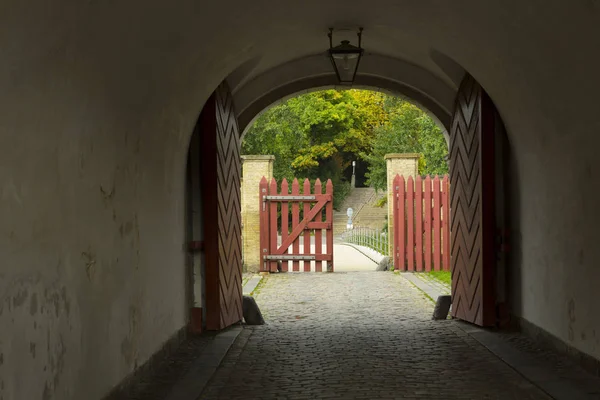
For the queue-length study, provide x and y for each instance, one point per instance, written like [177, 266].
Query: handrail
[374, 239]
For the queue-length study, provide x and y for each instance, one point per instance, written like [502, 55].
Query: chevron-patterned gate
[472, 206]
[221, 171]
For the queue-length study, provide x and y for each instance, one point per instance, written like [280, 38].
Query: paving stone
[169, 373]
[555, 374]
[361, 335]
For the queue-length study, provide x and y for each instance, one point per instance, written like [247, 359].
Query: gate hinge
[502, 240]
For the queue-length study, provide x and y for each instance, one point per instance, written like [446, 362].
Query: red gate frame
[271, 252]
[421, 214]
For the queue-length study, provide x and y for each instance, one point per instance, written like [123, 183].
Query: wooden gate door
[285, 249]
[472, 205]
[421, 228]
[221, 172]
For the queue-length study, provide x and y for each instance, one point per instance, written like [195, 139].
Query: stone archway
[472, 134]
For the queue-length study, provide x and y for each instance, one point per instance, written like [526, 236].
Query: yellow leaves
[371, 107]
[320, 133]
[304, 162]
[323, 150]
[422, 162]
[335, 94]
[309, 157]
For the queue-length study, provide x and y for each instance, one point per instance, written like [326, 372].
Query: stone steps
[361, 200]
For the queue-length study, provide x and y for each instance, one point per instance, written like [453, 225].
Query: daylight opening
[345, 138]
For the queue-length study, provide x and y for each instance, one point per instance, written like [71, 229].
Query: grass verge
[442, 276]
[245, 280]
[258, 287]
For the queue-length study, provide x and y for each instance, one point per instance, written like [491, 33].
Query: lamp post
[345, 58]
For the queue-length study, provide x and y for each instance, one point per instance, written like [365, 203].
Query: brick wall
[253, 169]
[405, 165]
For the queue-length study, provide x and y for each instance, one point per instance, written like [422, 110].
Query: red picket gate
[286, 248]
[421, 224]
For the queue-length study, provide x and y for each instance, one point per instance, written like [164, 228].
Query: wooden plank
[395, 210]
[295, 222]
[400, 226]
[437, 225]
[427, 224]
[284, 220]
[319, 226]
[306, 190]
[273, 224]
[410, 223]
[301, 198]
[419, 224]
[329, 219]
[318, 257]
[318, 231]
[265, 249]
[446, 223]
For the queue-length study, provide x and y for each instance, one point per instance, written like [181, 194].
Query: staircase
[361, 200]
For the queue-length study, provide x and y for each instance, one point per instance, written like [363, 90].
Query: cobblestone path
[360, 335]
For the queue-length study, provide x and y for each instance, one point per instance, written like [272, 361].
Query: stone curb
[195, 380]
[534, 370]
[251, 285]
[430, 288]
[203, 369]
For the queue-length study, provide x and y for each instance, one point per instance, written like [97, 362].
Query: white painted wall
[92, 277]
[97, 96]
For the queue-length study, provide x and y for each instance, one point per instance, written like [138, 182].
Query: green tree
[409, 130]
[277, 132]
[317, 135]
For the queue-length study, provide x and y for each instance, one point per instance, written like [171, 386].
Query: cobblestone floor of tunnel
[362, 335]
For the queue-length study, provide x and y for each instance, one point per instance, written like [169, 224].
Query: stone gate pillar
[403, 164]
[253, 169]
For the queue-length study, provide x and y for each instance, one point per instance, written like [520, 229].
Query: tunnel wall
[98, 101]
[92, 274]
[553, 259]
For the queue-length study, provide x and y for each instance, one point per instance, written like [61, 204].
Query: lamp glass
[345, 58]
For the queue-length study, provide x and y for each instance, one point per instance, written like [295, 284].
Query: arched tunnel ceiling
[377, 72]
[98, 94]
[157, 62]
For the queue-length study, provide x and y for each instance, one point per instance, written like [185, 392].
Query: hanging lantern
[345, 58]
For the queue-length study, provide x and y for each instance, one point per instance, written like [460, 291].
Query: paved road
[360, 335]
[346, 259]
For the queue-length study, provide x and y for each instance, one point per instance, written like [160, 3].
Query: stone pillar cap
[401, 155]
[261, 158]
